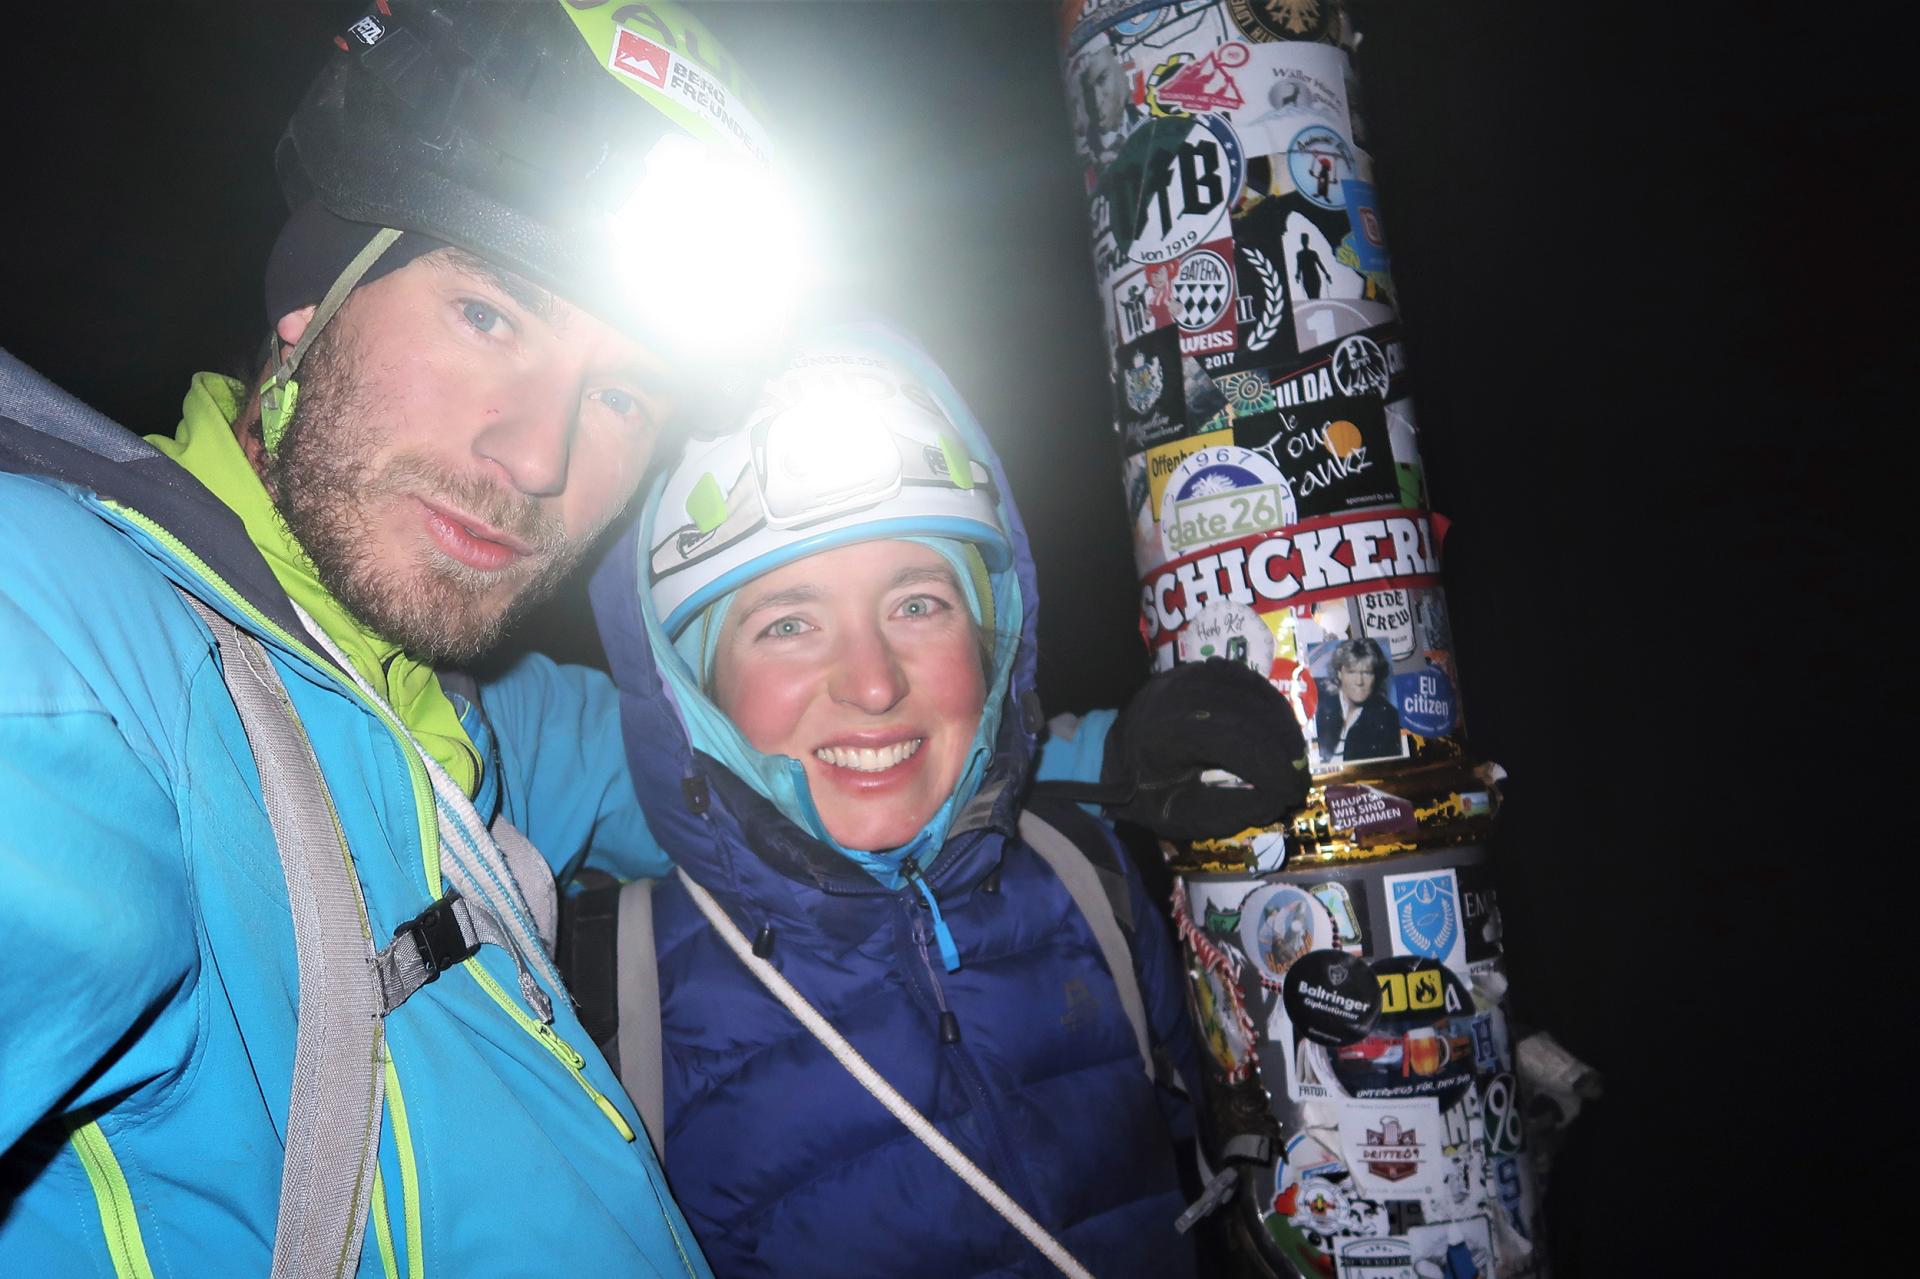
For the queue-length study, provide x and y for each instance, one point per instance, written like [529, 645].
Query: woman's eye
[621, 402]
[785, 628]
[485, 318]
[921, 606]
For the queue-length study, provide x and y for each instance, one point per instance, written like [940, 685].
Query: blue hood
[705, 814]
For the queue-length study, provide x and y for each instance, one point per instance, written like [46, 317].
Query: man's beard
[325, 482]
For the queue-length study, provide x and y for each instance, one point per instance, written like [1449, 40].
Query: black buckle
[436, 932]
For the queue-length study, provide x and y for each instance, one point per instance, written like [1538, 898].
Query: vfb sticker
[1171, 186]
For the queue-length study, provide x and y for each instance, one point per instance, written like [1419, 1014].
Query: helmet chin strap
[279, 393]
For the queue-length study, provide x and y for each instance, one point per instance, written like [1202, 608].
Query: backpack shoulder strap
[339, 1054]
[607, 955]
[642, 1069]
[1089, 869]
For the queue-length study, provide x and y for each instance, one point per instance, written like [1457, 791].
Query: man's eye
[481, 316]
[621, 402]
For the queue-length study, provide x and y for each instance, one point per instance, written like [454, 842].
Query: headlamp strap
[279, 393]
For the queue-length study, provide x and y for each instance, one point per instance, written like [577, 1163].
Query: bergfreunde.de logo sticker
[1424, 917]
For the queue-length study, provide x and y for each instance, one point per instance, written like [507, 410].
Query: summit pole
[1361, 1114]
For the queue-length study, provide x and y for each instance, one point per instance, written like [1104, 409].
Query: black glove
[1215, 714]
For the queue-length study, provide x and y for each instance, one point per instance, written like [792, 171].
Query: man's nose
[867, 674]
[528, 434]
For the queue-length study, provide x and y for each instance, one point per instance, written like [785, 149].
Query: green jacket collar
[205, 445]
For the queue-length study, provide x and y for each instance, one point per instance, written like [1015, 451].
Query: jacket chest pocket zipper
[564, 1052]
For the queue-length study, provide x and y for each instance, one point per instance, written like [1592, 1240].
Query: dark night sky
[1644, 263]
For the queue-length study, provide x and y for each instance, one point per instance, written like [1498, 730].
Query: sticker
[1288, 86]
[1500, 1102]
[1369, 237]
[1219, 494]
[1148, 394]
[1164, 459]
[1171, 186]
[1202, 293]
[368, 31]
[1283, 19]
[1142, 301]
[1261, 307]
[1247, 393]
[1334, 449]
[1331, 997]
[1315, 560]
[1387, 616]
[1097, 94]
[1426, 702]
[1205, 401]
[1348, 930]
[1480, 909]
[1424, 917]
[1375, 1259]
[1461, 1249]
[1393, 1148]
[1360, 367]
[1225, 1038]
[1354, 719]
[1422, 1043]
[1367, 810]
[1213, 979]
[1204, 83]
[1515, 1191]
[1320, 162]
[679, 79]
[1306, 1158]
[1233, 631]
[1323, 1207]
[1278, 924]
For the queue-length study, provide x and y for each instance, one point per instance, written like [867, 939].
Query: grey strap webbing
[403, 966]
[637, 981]
[1083, 884]
[339, 1054]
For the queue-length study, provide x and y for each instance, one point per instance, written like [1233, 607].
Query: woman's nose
[867, 675]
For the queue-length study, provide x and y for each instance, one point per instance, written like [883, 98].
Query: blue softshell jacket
[149, 984]
[783, 1163]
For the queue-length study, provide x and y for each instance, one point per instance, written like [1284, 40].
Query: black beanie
[315, 247]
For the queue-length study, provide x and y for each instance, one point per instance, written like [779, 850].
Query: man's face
[1356, 683]
[459, 440]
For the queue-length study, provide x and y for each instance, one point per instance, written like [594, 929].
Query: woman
[828, 651]
[1356, 720]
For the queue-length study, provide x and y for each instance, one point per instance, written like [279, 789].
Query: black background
[1647, 262]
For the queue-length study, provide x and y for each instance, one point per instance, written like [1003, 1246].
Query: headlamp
[709, 245]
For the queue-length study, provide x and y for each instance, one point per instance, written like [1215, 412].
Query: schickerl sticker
[1316, 559]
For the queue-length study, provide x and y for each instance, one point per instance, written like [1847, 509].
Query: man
[447, 418]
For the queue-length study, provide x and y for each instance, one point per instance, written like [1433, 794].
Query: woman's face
[1356, 683]
[861, 662]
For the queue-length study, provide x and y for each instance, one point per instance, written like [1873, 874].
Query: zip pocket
[563, 1051]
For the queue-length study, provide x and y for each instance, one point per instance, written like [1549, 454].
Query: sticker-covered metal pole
[1346, 970]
